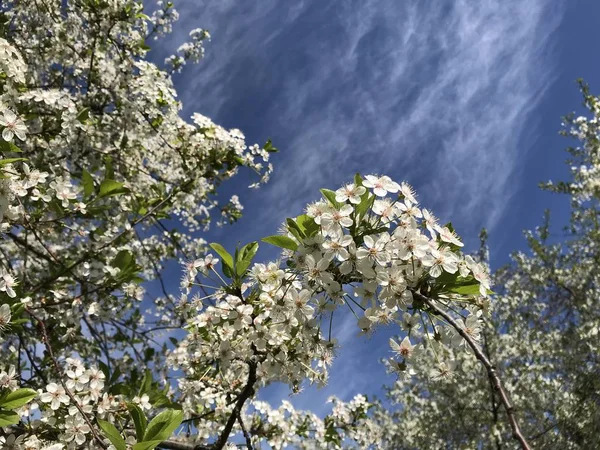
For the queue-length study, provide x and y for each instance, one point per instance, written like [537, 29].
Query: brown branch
[245, 432]
[491, 370]
[486, 348]
[246, 393]
[174, 445]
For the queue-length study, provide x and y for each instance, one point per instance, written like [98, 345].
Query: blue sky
[460, 98]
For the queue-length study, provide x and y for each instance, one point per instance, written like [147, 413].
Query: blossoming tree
[103, 183]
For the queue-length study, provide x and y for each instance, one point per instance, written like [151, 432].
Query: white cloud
[438, 93]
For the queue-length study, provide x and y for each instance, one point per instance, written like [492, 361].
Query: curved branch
[491, 370]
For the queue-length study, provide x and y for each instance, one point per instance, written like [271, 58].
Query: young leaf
[111, 187]
[17, 309]
[9, 147]
[4, 162]
[358, 179]
[159, 399]
[83, 115]
[139, 420]
[245, 257]
[330, 196]
[123, 260]
[268, 147]
[163, 425]
[112, 434]
[146, 383]
[466, 289]
[104, 369]
[148, 445]
[88, 183]
[450, 227]
[281, 241]
[308, 225]
[224, 254]
[8, 418]
[295, 229]
[366, 201]
[16, 399]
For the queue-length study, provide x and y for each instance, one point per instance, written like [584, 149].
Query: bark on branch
[489, 367]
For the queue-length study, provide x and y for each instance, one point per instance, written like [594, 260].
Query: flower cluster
[358, 248]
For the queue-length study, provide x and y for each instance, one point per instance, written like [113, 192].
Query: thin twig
[245, 432]
[62, 381]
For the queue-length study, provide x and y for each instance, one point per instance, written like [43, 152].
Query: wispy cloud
[437, 93]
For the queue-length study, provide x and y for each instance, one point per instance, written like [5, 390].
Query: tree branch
[491, 370]
[246, 393]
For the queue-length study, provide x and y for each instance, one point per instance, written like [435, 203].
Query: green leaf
[112, 434]
[159, 399]
[470, 287]
[281, 241]
[226, 258]
[331, 434]
[109, 170]
[366, 201]
[111, 187]
[450, 227]
[139, 420]
[295, 229]
[307, 225]
[163, 425]
[9, 147]
[120, 389]
[150, 445]
[17, 309]
[104, 369]
[146, 383]
[88, 184]
[227, 271]
[8, 418]
[16, 399]
[358, 181]
[4, 162]
[18, 322]
[467, 289]
[115, 376]
[456, 284]
[123, 260]
[268, 147]
[330, 196]
[245, 257]
[83, 115]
